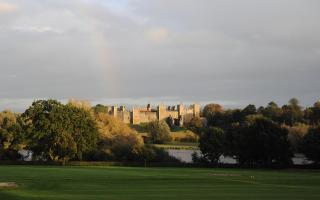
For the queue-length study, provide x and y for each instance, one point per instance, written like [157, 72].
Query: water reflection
[186, 156]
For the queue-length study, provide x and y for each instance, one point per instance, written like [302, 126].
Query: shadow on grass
[7, 195]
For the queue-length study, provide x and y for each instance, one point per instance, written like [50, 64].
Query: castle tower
[196, 110]
[181, 109]
[161, 111]
[122, 108]
[114, 111]
[135, 116]
[181, 113]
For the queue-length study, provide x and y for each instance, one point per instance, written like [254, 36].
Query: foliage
[211, 109]
[212, 143]
[296, 134]
[59, 132]
[150, 153]
[314, 114]
[184, 136]
[259, 141]
[11, 138]
[82, 104]
[311, 144]
[196, 125]
[272, 111]
[117, 139]
[159, 132]
[249, 110]
[99, 108]
[212, 112]
[292, 113]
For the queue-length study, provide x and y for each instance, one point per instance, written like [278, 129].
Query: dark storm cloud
[234, 52]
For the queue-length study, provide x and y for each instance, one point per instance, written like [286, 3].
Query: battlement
[180, 114]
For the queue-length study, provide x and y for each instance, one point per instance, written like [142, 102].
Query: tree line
[58, 132]
[264, 136]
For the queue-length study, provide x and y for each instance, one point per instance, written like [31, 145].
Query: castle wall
[146, 114]
[124, 116]
[169, 113]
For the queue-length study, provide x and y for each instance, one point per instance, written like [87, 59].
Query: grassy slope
[156, 183]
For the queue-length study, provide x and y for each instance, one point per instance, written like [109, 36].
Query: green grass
[178, 146]
[40, 182]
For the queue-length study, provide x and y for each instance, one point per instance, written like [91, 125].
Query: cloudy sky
[233, 52]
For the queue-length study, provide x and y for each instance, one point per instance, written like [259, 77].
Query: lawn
[40, 182]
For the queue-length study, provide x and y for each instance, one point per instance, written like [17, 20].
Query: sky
[232, 52]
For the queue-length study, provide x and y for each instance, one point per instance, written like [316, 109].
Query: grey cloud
[234, 52]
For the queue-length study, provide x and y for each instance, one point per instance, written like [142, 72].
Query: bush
[185, 136]
[154, 154]
[159, 132]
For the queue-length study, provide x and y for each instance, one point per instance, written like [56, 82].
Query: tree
[99, 108]
[292, 113]
[212, 112]
[311, 144]
[159, 132]
[314, 114]
[212, 143]
[83, 128]
[196, 125]
[116, 139]
[211, 109]
[11, 137]
[296, 134]
[260, 141]
[85, 105]
[58, 132]
[249, 110]
[272, 111]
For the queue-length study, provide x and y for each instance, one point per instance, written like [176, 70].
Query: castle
[179, 114]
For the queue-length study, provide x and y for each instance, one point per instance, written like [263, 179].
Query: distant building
[180, 114]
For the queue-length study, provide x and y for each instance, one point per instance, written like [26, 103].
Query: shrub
[159, 132]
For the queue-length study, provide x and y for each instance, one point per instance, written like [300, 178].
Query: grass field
[178, 146]
[40, 182]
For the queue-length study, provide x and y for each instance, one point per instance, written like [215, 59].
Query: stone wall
[146, 114]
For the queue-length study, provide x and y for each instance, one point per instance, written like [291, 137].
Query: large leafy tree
[260, 141]
[11, 137]
[213, 113]
[212, 143]
[59, 132]
[83, 128]
[211, 109]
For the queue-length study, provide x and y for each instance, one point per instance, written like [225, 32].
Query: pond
[186, 156]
